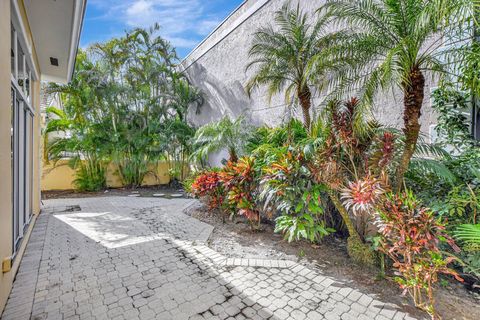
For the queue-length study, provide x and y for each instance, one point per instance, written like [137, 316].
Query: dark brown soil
[236, 239]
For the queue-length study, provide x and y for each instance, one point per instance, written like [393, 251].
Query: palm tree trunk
[343, 212]
[305, 96]
[357, 249]
[232, 155]
[413, 99]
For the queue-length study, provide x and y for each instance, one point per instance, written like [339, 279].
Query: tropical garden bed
[391, 201]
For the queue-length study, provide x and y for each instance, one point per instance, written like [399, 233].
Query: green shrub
[287, 187]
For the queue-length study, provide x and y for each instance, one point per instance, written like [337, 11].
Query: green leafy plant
[469, 68]
[288, 188]
[90, 175]
[469, 234]
[389, 43]
[224, 134]
[411, 236]
[303, 226]
[453, 125]
[265, 138]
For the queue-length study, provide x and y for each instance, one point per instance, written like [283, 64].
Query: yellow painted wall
[60, 176]
[6, 279]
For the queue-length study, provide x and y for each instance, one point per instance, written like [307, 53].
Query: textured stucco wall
[217, 67]
[6, 279]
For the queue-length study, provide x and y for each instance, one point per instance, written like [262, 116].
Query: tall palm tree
[282, 54]
[385, 43]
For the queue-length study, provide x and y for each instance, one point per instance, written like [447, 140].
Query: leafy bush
[411, 237]
[469, 237]
[208, 184]
[90, 176]
[288, 188]
[303, 226]
[241, 185]
[228, 134]
[453, 125]
[264, 138]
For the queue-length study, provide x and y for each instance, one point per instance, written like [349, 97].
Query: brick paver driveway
[142, 258]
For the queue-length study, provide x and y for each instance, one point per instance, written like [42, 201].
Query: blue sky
[183, 22]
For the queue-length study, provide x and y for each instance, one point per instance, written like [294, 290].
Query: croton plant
[208, 185]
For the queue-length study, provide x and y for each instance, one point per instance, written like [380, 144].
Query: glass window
[15, 170]
[28, 75]
[12, 50]
[22, 138]
[21, 66]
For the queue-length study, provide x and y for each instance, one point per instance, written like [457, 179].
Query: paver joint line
[143, 258]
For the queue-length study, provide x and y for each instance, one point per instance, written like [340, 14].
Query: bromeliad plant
[340, 157]
[288, 188]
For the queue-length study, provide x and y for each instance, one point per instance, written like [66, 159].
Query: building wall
[6, 279]
[61, 177]
[217, 67]
[5, 164]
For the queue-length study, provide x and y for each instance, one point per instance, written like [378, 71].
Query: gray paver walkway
[142, 258]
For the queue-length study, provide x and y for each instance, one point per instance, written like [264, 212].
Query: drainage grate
[73, 208]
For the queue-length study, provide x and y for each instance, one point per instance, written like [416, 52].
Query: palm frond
[468, 234]
[425, 167]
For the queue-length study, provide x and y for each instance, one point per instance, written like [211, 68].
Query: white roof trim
[193, 56]
[79, 12]
[20, 28]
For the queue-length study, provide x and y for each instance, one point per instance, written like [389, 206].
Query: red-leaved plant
[411, 236]
[241, 185]
[208, 185]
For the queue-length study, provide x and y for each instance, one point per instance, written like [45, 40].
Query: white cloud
[206, 26]
[182, 22]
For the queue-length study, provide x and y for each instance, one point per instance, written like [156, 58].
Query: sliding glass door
[21, 139]
[22, 165]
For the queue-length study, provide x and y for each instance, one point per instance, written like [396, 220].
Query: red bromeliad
[362, 195]
[387, 144]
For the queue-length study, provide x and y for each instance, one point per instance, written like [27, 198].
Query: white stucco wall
[217, 67]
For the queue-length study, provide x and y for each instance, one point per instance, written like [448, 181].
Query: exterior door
[22, 166]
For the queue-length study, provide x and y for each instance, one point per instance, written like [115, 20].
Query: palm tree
[224, 134]
[282, 54]
[385, 44]
[183, 96]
